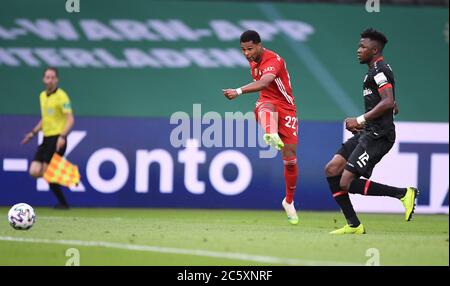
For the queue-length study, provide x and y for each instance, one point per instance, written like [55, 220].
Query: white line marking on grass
[77, 217]
[171, 250]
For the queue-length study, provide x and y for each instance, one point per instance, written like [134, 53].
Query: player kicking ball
[275, 109]
[374, 136]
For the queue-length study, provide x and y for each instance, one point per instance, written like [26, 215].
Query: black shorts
[46, 150]
[363, 152]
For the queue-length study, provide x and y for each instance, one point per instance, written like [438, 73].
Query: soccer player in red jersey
[275, 109]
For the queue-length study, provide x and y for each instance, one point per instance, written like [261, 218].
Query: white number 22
[291, 122]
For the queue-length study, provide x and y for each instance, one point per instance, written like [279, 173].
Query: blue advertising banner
[133, 163]
[215, 163]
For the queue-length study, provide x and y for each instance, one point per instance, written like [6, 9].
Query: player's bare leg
[336, 166]
[346, 179]
[36, 169]
[290, 175]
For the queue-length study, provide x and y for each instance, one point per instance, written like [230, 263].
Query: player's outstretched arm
[33, 132]
[258, 85]
[251, 87]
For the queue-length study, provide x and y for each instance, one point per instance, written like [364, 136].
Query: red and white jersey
[279, 90]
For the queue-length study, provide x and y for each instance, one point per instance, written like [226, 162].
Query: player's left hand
[60, 143]
[352, 125]
[230, 93]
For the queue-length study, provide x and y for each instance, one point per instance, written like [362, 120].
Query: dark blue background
[318, 143]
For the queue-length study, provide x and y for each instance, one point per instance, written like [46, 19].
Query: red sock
[290, 177]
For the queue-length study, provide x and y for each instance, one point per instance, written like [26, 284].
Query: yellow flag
[62, 172]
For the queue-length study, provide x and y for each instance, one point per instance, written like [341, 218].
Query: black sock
[343, 200]
[369, 188]
[56, 189]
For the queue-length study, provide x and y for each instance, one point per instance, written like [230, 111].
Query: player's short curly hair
[250, 36]
[374, 35]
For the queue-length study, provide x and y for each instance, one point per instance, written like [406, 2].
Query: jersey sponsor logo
[367, 91]
[50, 111]
[380, 79]
[267, 69]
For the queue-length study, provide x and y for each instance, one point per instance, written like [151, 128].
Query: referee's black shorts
[46, 150]
[363, 152]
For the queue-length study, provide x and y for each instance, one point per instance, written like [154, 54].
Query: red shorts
[287, 121]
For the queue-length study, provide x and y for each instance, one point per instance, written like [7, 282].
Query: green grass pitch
[220, 237]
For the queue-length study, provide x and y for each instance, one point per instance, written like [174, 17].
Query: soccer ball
[21, 216]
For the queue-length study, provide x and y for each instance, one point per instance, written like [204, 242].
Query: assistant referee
[56, 122]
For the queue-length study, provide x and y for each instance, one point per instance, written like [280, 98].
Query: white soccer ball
[21, 216]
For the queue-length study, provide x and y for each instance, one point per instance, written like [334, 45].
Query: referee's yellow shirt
[54, 108]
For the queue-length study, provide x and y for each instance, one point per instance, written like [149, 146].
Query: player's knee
[35, 170]
[34, 173]
[289, 151]
[332, 169]
[289, 154]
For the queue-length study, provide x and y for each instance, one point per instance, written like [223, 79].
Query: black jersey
[378, 77]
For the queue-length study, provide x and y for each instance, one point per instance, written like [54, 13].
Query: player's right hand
[230, 93]
[355, 130]
[27, 138]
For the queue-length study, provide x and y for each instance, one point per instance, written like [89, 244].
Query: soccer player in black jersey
[374, 135]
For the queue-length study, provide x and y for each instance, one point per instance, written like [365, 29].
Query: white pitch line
[160, 249]
[72, 217]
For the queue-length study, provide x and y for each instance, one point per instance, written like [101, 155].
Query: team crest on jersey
[255, 71]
